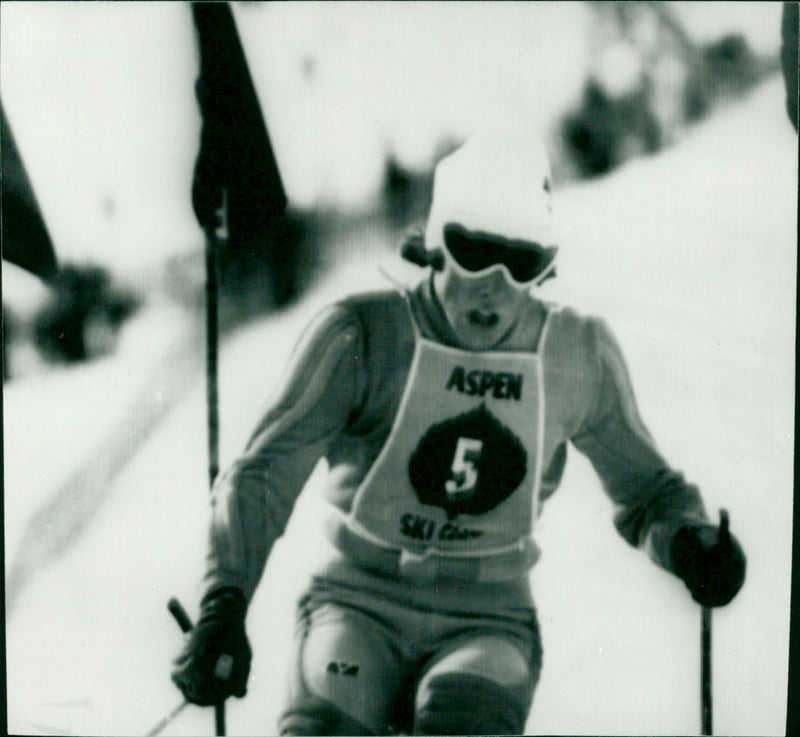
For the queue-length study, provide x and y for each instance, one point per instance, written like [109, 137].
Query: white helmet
[495, 190]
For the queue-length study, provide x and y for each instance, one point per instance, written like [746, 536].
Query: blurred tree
[725, 69]
[606, 131]
[406, 194]
[83, 316]
[648, 81]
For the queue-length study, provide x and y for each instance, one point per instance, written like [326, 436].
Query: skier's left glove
[710, 561]
[215, 660]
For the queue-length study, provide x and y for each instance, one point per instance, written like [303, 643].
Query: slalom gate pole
[705, 648]
[212, 392]
[212, 407]
[212, 342]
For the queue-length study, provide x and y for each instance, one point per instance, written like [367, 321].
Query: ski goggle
[476, 254]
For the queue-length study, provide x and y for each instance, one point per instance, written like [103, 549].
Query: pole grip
[724, 527]
[181, 617]
[222, 669]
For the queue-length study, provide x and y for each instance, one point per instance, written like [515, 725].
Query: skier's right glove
[202, 671]
[710, 561]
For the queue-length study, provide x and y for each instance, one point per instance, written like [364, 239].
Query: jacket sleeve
[252, 500]
[651, 500]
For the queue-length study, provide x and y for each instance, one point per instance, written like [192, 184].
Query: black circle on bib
[498, 464]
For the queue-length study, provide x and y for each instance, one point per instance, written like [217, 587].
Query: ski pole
[705, 647]
[705, 641]
[224, 665]
[222, 669]
[167, 719]
[182, 618]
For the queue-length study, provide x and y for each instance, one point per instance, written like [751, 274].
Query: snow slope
[691, 256]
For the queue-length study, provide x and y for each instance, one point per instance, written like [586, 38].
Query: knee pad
[317, 717]
[461, 703]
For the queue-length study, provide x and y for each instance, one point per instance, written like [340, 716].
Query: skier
[444, 412]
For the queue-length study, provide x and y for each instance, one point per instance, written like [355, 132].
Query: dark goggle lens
[477, 251]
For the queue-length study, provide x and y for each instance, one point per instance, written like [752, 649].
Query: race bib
[460, 469]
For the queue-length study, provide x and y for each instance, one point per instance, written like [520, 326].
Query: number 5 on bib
[464, 469]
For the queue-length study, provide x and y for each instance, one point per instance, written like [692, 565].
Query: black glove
[201, 671]
[710, 561]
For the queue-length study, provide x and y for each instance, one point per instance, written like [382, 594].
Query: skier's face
[481, 310]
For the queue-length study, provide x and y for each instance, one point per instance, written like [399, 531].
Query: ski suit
[440, 460]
